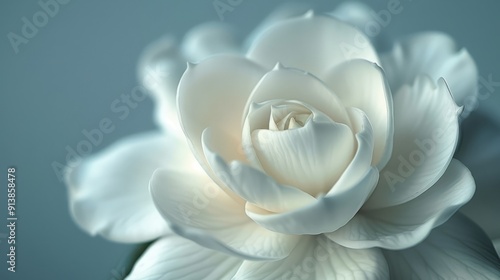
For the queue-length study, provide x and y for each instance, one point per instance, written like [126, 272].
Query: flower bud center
[288, 116]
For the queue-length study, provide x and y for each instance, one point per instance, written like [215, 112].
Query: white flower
[308, 157]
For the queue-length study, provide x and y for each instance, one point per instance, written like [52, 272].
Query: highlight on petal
[316, 257]
[404, 225]
[197, 209]
[108, 192]
[458, 249]
[425, 137]
[205, 91]
[434, 54]
[174, 257]
[311, 43]
[361, 84]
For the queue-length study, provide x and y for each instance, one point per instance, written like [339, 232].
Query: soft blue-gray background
[65, 78]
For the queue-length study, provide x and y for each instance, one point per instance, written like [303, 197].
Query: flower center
[288, 116]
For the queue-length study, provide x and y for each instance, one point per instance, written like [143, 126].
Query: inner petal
[287, 116]
[302, 147]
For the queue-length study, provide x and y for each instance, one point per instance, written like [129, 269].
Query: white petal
[205, 91]
[480, 152]
[310, 158]
[434, 54]
[425, 137]
[311, 43]
[209, 39]
[160, 67]
[199, 210]
[326, 214]
[361, 84]
[344, 199]
[291, 84]
[405, 225]
[174, 257]
[108, 192]
[315, 257]
[456, 250]
[251, 184]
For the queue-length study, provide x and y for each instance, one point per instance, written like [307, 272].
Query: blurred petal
[404, 225]
[283, 12]
[174, 257]
[496, 243]
[436, 55]
[108, 192]
[311, 43]
[480, 151]
[316, 257]
[209, 39]
[160, 67]
[361, 84]
[372, 23]
[456, 250]
[198, 209]
[425, 137]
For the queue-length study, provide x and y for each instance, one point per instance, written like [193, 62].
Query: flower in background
[303, 155]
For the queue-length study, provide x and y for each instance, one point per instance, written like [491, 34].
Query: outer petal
[425, 137]
[205, 91]
[311, 43]
[480, 151]
[174, 257]
[197, 209]
[434, 54]
[405, 225]
[160, 67]
[282, 12]
[456, 250]
[108, 192]
[209, 39]
[315, 257]
[361, 84]
[344, 199]
[367, 20]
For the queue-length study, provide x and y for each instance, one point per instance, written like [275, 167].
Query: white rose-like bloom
[308, 157]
